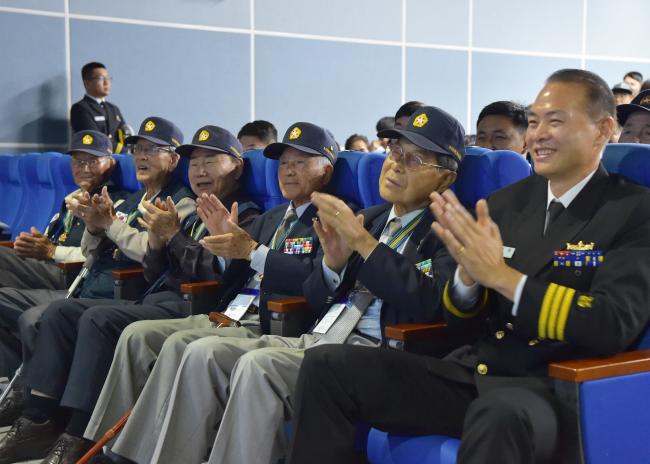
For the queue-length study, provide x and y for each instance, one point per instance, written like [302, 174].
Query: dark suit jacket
[283, 273]
[84, 112]
[184, 259]
[408, 294]
[564, 312]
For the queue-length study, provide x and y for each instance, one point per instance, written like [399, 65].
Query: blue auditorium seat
[260, 180]
[182, 171]
[124, 174]
[369, 170]
[612, 411]
[12, 191]
[62, 174]
[356, 178]
[484, 171]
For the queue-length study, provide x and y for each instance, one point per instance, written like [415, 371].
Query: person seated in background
[470, 140]
[634, 79]
[502, 126]
[526, 305]
[357, 142]
[385, 123]
[646, 85]
[622, 93]
[93, 112]
[634, 118]
[402, 116]
[257, 135]
[29, 275]
[384, 266]
[113, 239]
[269, 259]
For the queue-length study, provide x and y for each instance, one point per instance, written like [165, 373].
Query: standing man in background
[93, 112]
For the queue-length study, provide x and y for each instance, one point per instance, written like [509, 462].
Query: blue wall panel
[33, 97]
[437, 21]
[618, 28]
[46, 5]
[438, 78]
[224, 13]
[190, 77]
[344, 87]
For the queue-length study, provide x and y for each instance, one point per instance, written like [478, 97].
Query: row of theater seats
[33, 185]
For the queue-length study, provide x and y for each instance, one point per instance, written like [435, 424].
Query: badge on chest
[578, 255]
[298, 246]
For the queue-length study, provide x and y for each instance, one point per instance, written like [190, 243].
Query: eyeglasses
[90, 163]
[150, 150]
[411, 160]
[101, 79]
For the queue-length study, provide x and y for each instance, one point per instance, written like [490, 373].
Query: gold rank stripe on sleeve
[449, 305]
[555, 312]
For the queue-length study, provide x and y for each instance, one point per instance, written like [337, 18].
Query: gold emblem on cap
[644, 101]
[421, 120]
[204, 135]
[149, 126]
[295, 133]
[87, 140]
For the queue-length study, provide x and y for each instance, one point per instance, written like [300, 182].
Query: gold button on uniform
[500, 334]
[509, 326]
[533, 342]
[481, 369]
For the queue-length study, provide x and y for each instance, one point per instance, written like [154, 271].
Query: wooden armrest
[287, 305]
[7, 244]
[411, 332]
[198, 288]
[581, 370]
[126, 274]
[70, 265]
[222, 320]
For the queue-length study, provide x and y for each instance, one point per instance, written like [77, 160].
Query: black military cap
[213, 138]
[159, 131]
[92, 142]
[308, 138]
[432, 129]
[640, 103]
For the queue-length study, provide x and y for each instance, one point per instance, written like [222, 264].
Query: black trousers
[402, 393]
[76, 341]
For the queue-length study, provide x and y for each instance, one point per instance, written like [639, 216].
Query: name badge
[425, 267]
[298, 246]
[238, 306]
[508, 252]
[570, 258]
[100, 118]
[330, 318]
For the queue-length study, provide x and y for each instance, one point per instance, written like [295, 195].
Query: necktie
[360, 299]
[554, 210]
[284, 228]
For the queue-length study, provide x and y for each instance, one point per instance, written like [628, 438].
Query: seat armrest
[412, 332]
[7, 244]
[222, 320]
[199, 288]
[68, 266]
[127, 274]
[287, 305]
[582, 370]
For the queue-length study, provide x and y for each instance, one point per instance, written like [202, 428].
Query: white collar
[570, 194]
[405, 219]
[98, 100]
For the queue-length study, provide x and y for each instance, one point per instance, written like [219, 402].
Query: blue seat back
[356, 178]
[182, 171]
[12, 191]
[260, 180]
[39, 199]
[615, 153]
[62, 174]
[369, 172]
[483, 172]
[124, 174]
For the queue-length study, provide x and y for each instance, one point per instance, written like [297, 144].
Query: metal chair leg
[5, 393]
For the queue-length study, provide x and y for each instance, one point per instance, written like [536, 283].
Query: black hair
[408, 108]
[87, 70]
[516, 112]
[599, 96]
[385, 123]
[353, 138]
[636, 75]
[645, 85]
[263, 130]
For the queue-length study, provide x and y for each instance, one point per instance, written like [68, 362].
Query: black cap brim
[274, 150]
[186, 150]
[90, 151]
[134, 139]
[624, 111]
[419, 140]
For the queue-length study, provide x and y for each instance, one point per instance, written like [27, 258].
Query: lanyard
[399, 237]
[197, 232]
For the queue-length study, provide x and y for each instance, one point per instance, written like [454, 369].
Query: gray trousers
[136, 373]
[20, 311]
[245, 388]
[28, 273]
